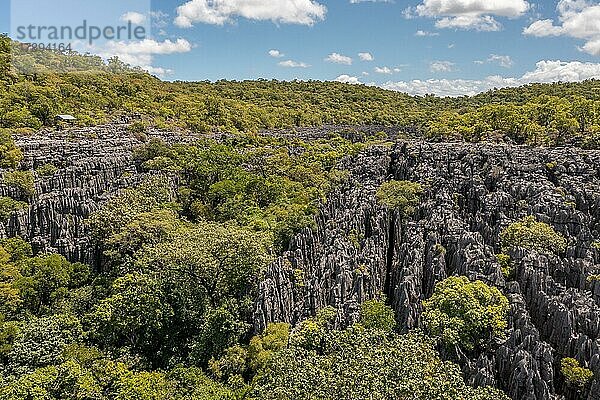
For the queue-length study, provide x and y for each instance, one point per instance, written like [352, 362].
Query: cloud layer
[545, 71]
[138, 53]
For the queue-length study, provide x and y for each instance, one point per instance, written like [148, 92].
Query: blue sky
[448, 47]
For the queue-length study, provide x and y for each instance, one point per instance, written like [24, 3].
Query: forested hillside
[95, 91]
[216, 248]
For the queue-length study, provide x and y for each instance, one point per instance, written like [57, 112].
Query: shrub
[22, 180]
[593, 278]
[466, 314]
[505, 264]
[401, 195]
[375, 314]
[9, 206]
[46, 170]
[591, 142]
[262, 347]
[574, 374]
[10, 154]
[137, 127]
[530, 234]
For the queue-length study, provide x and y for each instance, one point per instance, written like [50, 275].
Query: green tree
[375, 314]
[574, 374]
[10, 154]
[531, 234]
[403, 196]
[465, 314]
[136, 314]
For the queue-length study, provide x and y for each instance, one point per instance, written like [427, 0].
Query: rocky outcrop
[93, 164]
[359, 250]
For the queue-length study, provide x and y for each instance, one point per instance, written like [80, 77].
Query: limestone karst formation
[360, 249]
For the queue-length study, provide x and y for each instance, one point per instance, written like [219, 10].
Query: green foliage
[153, 194]
[21, 180]
[574, 374]
[593, 278]
[471, 315]
[364, 364]
[375, 314]
[309, 333]
[530, 234]
[137, 127]
[95, 377]
[46, 170]
[10, 154]
[247, 361]
[505, 265]
[136, 314]
[41, 342]
[44, 282]
[9, 206]
[267, 184]
[403, 196]
[220, 330]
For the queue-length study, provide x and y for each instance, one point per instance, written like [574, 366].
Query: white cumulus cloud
[219, 12]
[138, 53]
[337, 58]
[421, 33]
[353, 80]
[503, 61]
[441, 66]
[544, 27]
[469, 14]
[383, 70]
[578, 19]
[387, 70]
[366, 56]
[134, 17]
[293, 64]
[276, 54]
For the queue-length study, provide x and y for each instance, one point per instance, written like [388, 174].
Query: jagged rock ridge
[473, 192]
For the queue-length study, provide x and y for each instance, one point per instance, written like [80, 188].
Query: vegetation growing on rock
[469, 315]
[9, 206]
[403, 196]
[10, 154]
[23, 181]
[375, 314]
[46, 170]
[531, 234]
[574, 374]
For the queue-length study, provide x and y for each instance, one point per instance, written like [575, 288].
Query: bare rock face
[359, 250]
